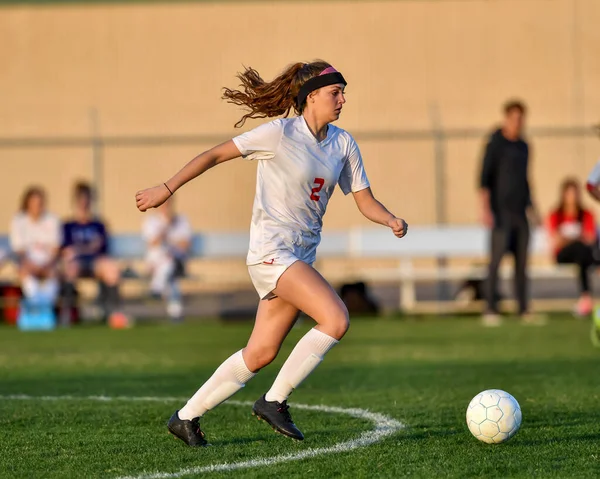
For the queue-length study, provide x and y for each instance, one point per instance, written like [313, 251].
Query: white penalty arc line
[384, 426]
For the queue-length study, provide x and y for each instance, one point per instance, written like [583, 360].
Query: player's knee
[339, 323]
[258, 358]
[109, 271]
[71, 271]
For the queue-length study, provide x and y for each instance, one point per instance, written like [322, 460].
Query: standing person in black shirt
[506, 202]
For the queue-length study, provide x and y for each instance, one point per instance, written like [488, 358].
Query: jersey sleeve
[17, 240]
[260, 143]
[594, 176]
[353, 177]
[104, 236]
[488, 164]
[589, 224]
[552, 222]
[55, 236]
[67, 237]
[150, 228]
[185, 228]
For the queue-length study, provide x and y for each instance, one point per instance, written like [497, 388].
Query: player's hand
[399, 227]
[69, 253]
[151, 197]
[32, 269]
[487, 218]
[535, 218]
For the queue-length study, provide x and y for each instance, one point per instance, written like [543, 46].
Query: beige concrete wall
[156, 69]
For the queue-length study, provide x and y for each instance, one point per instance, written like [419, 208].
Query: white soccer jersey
[594, 176]
[38, 240]
[296, 177]
[156, 225]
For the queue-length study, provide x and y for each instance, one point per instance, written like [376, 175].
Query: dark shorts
[86, 267]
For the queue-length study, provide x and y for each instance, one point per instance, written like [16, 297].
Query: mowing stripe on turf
[383, 426]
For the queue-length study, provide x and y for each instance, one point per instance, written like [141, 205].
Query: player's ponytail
[275, 98]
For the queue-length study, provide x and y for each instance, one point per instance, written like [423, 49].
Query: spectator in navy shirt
[85, 253]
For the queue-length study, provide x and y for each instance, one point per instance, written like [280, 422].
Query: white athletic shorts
[266, 274]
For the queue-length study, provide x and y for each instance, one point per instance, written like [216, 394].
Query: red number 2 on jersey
[314, 195]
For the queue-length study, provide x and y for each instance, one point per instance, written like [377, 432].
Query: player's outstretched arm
[157, 195]
[593, 182]
[377, 213]
[594, 191]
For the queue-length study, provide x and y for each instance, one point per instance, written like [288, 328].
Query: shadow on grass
[563, 438]
[534, 383]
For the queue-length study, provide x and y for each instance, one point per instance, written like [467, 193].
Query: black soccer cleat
[186, 430]
[278, 416]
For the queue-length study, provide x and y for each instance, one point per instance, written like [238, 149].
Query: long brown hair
[274, 98]
[565, 185]
[30, 193]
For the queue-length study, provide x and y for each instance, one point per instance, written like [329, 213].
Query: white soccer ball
[494, 416]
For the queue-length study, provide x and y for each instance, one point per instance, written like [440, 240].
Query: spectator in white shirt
[35, 237]
[168, 236]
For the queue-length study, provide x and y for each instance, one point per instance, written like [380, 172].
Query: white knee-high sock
[160, 276]
[229, 378]
[31, 287]
[41, 292]
[49, 290]
[303, 360]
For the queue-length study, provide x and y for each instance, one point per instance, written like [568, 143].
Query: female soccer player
[593, 181]
[593, 186]
[301, 159]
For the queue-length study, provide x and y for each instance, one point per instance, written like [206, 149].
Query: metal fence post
[441, 216]
[97, 161]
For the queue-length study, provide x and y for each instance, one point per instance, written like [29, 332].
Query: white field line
[383, 426]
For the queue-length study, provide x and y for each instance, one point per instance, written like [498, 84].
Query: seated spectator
[35, 240]
[85, 254]
[168, 236]
[572, 232]
[4, 256]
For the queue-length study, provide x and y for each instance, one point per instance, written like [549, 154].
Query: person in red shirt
[573, 237]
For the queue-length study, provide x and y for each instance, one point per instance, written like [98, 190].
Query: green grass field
[421, 373]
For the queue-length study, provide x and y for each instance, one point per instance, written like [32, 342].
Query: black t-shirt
[504, 174]
[82, 235]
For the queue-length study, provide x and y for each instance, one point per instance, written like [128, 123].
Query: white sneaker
[534, 319]
[175, 309]
[491, 320]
